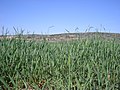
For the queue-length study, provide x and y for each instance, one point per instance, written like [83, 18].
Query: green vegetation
[84, 64]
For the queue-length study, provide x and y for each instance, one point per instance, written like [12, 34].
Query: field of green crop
[84, 64]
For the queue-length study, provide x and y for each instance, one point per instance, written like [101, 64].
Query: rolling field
[81, 64]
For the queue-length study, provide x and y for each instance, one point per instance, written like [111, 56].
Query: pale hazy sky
[54, 16]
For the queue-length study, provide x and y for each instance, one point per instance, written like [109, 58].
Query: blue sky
[54, 16]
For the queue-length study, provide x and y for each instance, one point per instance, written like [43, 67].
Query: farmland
[60, 62]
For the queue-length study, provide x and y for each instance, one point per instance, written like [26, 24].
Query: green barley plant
[83, 64]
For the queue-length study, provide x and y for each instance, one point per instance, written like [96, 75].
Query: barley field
[82, 64]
